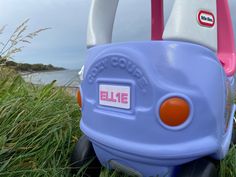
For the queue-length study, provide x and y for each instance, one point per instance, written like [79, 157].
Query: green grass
[39, 127]
[228, 165]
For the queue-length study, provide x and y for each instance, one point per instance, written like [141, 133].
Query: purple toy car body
[160, 107]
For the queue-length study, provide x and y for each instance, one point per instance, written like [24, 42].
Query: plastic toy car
[162, 107]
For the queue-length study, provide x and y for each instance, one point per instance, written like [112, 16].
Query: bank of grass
[39, 127]
[228, 165]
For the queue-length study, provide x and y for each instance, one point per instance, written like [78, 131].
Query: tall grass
[38, 128]
[17, 41]
[39, 125]
[228, 165]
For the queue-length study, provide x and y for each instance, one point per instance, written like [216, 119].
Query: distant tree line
[25, 67]
[16, 42]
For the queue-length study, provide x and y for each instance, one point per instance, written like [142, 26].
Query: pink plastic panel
[157, 19]
[226, 46]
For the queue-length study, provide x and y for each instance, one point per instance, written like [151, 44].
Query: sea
[63, 78]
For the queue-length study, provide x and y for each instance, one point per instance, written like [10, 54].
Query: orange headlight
[79, 98]
[174, 111]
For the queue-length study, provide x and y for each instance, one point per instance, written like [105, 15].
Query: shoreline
[24, 73]
[63, 78]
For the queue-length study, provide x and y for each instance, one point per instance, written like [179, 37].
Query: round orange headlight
[79, 98]
[174, 111]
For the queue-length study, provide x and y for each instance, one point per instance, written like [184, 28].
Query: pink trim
[226, 46]
[157, 19]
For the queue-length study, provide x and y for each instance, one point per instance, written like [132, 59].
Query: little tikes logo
[206, 18]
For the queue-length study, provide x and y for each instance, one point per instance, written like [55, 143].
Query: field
[39, 126]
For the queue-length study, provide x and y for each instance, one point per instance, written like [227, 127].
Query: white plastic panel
[183, 23]
[101, 20]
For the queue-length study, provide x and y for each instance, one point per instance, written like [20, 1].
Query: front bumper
[167, 155]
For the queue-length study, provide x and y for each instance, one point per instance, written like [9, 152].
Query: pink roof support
[157, 19]
[226, 46]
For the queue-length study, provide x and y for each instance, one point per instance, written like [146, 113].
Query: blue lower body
[157, 160]
[134, 140]
[136, 164]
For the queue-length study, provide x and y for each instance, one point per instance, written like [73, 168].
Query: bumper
[167, 155]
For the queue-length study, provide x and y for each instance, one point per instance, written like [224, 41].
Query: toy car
[162, 107]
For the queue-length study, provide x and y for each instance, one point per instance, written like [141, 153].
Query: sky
[65, 43]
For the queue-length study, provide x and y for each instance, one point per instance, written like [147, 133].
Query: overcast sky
[65, 44]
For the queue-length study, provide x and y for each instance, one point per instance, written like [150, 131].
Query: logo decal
[206, 18]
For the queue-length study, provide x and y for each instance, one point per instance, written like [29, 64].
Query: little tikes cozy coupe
[162, 107]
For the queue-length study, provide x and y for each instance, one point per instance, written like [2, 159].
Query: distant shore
[63, 77]
[67, 79]
[25, 68]
[24, 73]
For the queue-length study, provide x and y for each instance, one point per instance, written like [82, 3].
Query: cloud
[68, 20]
[65, 43]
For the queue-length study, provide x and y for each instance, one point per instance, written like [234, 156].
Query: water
[68, 78]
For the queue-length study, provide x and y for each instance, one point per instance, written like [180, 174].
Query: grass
[228, 165]
[39, 127]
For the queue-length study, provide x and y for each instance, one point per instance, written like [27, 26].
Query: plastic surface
[183, 23]
[84, 154]
[102, 16]
[157, 19]
[174, 111]
[226, 46]
[101, 20]
[198, 168]
[155, 71]
[126, 84]
[79, 98]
